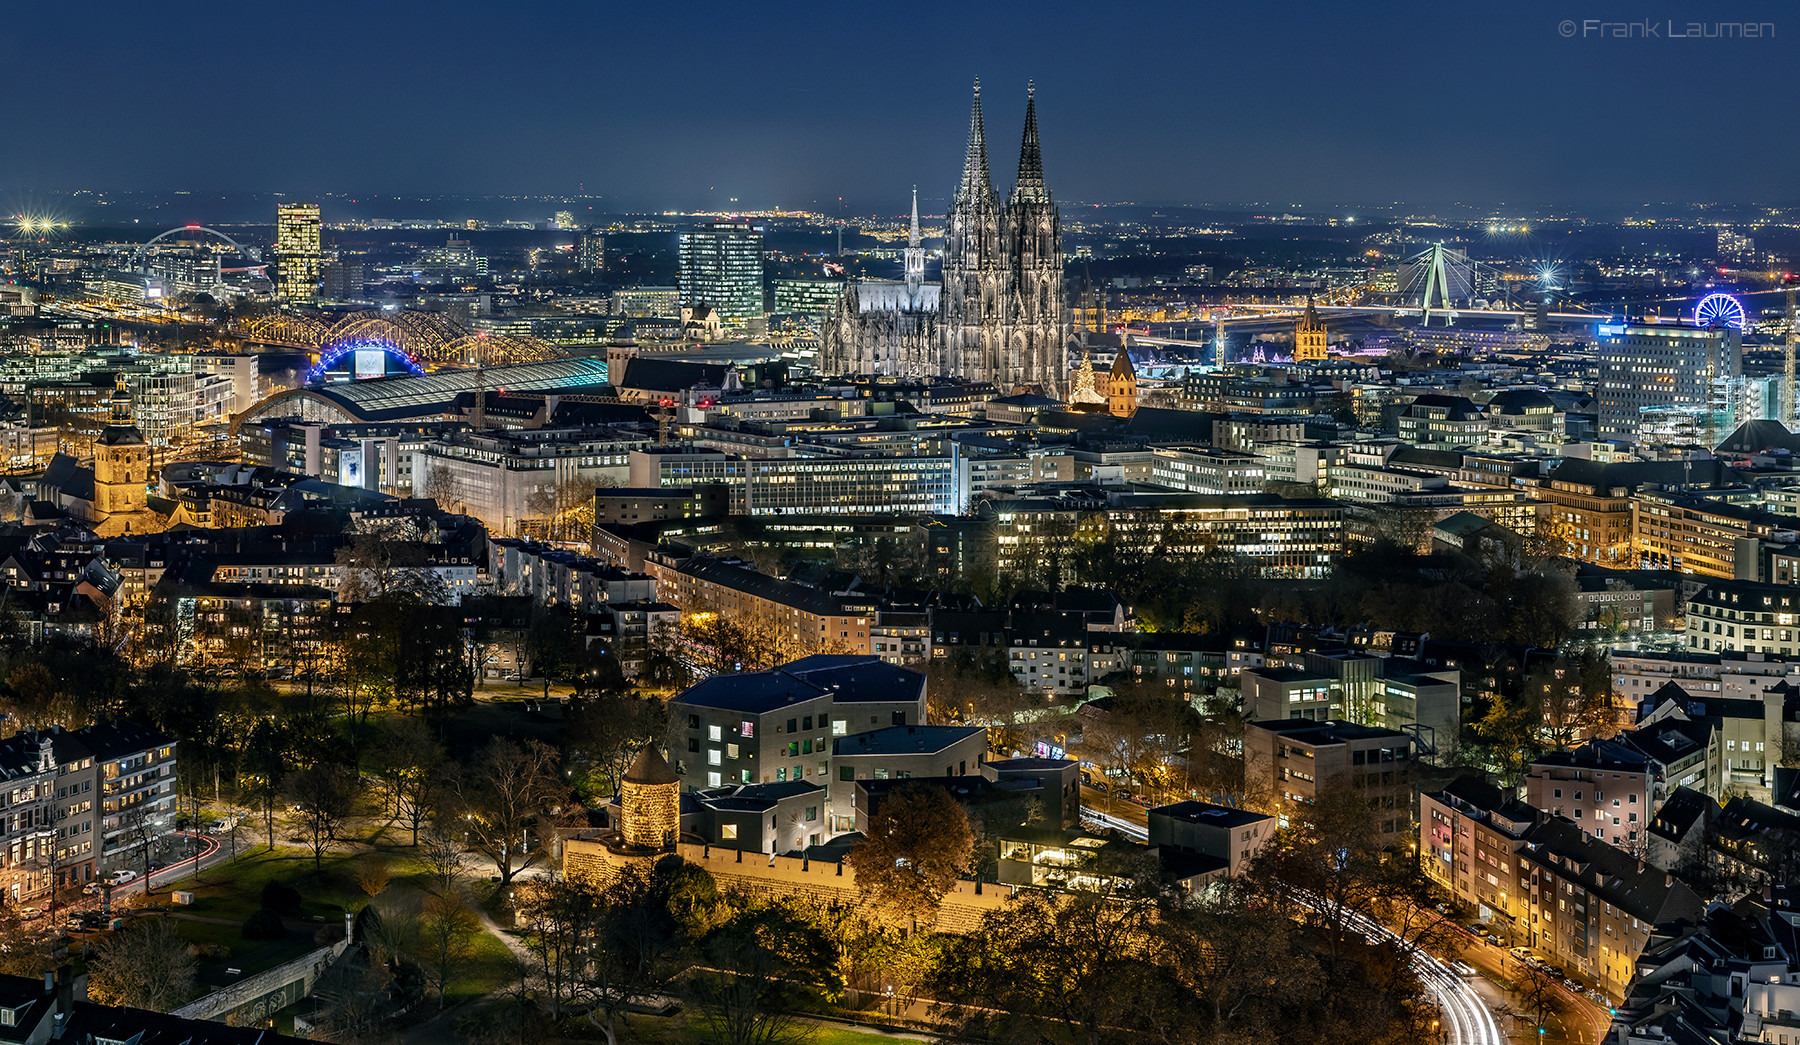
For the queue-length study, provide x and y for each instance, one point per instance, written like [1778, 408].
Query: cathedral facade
[999, 314]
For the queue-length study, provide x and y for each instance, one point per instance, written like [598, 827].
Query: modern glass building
[721, 266]
[298, 252]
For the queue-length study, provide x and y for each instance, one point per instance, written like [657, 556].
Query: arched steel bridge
[248, 252]
[430, 338]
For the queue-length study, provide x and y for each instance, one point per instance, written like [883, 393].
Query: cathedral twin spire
[977, 184]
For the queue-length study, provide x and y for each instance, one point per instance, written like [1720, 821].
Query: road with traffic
[1483, 1010]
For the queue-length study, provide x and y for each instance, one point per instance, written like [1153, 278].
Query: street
[1570, 1018]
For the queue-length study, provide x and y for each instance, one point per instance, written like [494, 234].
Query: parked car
[1572, 985]
[1443, 908]
[121, 876]
[30, 913]
[1523, 954]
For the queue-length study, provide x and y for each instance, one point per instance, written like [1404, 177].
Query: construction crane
[1787, 361]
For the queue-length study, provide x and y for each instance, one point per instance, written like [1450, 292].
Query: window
[840, 727]
[715, 733]
[712, 756]
[807, 723]
[714, 780]
[728, 832]
[747, 728]
[1559, 792]
[793, 725]
[693, 743]
[812, 813]
[693, 721]
[731, 751]
[846, 772]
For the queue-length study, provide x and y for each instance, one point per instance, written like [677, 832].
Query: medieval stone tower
[121, 460]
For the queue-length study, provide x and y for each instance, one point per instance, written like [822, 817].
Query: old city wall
[780, 876]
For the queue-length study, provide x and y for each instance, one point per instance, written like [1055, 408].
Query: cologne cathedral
[998, 315]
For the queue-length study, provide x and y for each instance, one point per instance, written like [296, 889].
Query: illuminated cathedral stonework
[998, 314]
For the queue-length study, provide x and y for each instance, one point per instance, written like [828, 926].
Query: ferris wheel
[1719, 310]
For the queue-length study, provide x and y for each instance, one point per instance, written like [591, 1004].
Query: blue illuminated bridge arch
[343, 350]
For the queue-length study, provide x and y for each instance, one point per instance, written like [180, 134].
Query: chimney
[1668, 881]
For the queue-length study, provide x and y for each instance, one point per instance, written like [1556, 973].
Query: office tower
[298, 253]
[593, 250]
[721, 267]
[1667, 380]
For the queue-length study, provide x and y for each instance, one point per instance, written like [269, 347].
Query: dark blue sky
[670, 104]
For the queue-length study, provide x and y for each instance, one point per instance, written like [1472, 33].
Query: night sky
[685, 105]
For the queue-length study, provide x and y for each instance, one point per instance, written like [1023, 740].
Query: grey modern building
[1649, 372]
[721, 267]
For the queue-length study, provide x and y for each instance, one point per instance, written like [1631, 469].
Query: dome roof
[650, 768]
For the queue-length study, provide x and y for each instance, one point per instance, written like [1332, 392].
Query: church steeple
[1030, 187]
[977, 185]
[914, 254]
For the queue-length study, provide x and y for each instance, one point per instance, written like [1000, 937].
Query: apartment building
[1547, 884]
[1293, 762]
[78, 804]
[810, 615]
[1605, 787]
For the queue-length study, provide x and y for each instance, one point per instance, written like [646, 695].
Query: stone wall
[254, 998]
[762, 875]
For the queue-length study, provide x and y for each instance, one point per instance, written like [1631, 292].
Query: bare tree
[144, 967]
[325, 794]
[447, 929]
[509, 789]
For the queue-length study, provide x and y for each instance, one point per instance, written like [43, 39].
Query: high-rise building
[1651, 373]
[298, 251]
[721, 266]
[593, 250]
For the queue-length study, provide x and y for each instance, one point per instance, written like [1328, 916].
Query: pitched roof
[650, 768]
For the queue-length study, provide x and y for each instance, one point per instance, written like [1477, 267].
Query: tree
[506, 790]
[412, 767]
[372, 873]
[918, 845]
[266, 770]
[1080, 967]
[388, 559]
[444, 857]
[755, 971]
[608, 731]
[144, 967]
[324, 795]
[447, 930]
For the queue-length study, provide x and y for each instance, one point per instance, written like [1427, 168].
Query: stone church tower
[1309, 337]
[1121, 386]
[121, 461]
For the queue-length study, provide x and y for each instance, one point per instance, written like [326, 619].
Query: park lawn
[233, 891]
[488, 969]
[683, 1028]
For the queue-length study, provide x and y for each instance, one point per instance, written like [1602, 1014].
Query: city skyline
[1307, 105]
